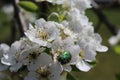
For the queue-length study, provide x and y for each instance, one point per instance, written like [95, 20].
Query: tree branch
[102, 18]
[19, 18]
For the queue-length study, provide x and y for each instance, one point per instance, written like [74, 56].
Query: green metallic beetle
[64, 57]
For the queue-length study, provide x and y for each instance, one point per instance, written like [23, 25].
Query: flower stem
[64, 75]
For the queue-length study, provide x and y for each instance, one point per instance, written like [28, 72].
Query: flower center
[17, 54]
[65, 57]
[42, 34]
[81, 54]
[33, 55]
[44, 73]
[62, 34]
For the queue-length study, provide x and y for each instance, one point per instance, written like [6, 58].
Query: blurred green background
[108, 63]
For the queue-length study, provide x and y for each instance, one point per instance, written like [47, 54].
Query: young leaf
[93, 63]
[53, 17]
[28, 6]
[117, 49]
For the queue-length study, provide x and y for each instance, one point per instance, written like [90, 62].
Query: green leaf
[117, 49]
[93, 63]
[62, 17]
[28, 6]
[64, 75]
[54, 17]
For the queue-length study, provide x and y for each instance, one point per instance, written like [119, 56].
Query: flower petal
[31, 76]
[44, 59]
[101, 48]
[67, 68]
[83, 66]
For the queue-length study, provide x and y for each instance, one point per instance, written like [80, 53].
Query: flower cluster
[50, 48]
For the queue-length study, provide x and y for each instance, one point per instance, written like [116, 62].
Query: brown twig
[19, 18]
[103, 19]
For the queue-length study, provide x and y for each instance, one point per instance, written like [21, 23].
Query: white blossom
[89, 44]
[13, 57]
[88, 41]
[9, 10]
[60, 46]
[43, 33]
[31, 57]
[46, 69]
[80, 25]
[51, 48]
[65, 31]
[29, 17]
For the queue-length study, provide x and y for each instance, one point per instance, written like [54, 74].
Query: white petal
[56, 68]
[74, 50]
[4, 47]
[89, 54]
[7, 61]
[30, 35]
[83, 66]
[67, 68]
[31, 27]
[39, 23]
[31, 76]
[82, 43]
[3, 67]
[98, 37]
[15, 67]
[44, 59]
[40, 42]
[56, 77]
[33, 66]
[101, 48]
[16, 45]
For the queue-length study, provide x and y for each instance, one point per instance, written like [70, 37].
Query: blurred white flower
[53, 1]
[82, 5]
[4, 48]
[115, 39]
[28, 16]
[9, 10]
[46, 69]
[43, 33]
